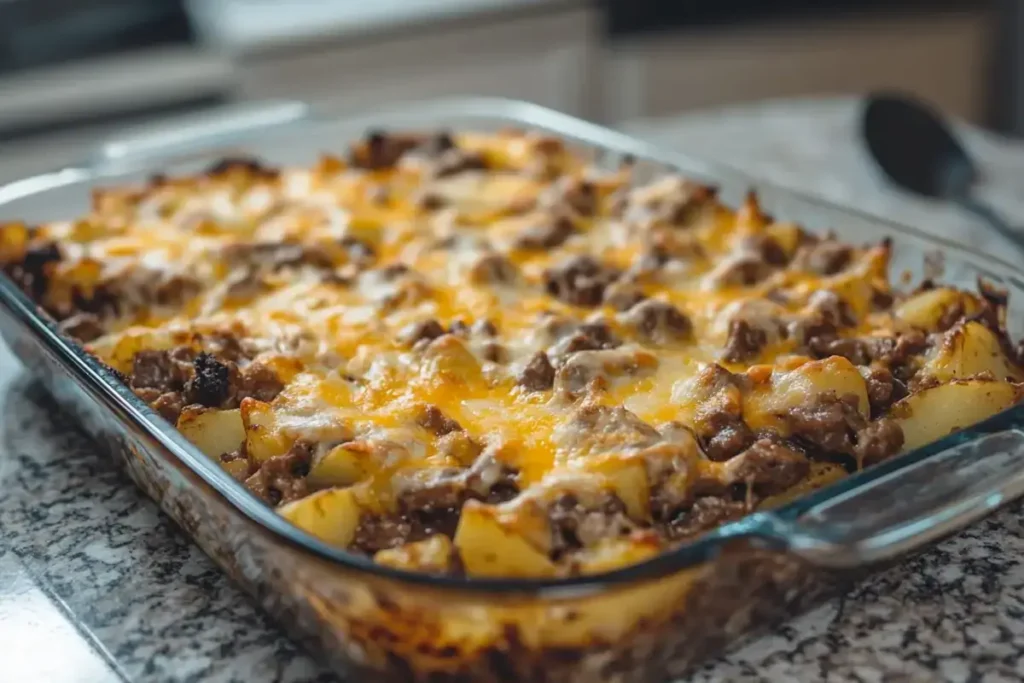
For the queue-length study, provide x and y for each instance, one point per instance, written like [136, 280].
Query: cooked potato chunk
[213, 431]
[331, 515]
[612, 553]
[767, 404]
[627, 478]
[339, 466]
[933, 413]
[448, 360]
[969, 350]
[926, 309]
[489, 548]
[14, 238]
[431, 555]
[263, 439]
[128, 345]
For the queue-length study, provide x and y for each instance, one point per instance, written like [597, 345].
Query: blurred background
[71, 71]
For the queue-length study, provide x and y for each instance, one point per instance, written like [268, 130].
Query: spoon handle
[986, 213]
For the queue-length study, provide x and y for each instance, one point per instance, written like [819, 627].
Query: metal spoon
[917, 151]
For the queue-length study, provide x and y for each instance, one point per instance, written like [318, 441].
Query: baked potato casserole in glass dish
[489, 393]
[483, 355]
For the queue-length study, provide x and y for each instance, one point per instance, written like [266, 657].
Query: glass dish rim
[758, 526]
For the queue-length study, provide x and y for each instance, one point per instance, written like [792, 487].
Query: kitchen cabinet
[545, 55]
[552, 52]
[941, 56]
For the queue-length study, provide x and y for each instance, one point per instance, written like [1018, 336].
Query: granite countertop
[97, 585]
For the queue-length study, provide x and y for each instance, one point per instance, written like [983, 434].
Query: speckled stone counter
[96, 585]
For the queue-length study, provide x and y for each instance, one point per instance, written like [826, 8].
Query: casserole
[648, 620]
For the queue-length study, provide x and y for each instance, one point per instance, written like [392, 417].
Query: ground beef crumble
[574, 526]
[538, 375]
[282, 479]
[705, 514]
[724, 434]
[547, 234]
[658, 321]
[432, 419]
[580, 281]
[170, 380]
[209, 384]
[31, 273]
[744, 342]
[897, 353]
[834, 426]
[769, 467]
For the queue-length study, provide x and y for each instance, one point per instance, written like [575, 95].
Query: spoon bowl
[914, 147]
[917, 151]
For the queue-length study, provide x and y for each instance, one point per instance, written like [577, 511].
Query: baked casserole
[487, 355]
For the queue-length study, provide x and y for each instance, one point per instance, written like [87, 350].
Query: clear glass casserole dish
[644, 622]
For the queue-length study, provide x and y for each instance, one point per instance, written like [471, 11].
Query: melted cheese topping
[327, 272]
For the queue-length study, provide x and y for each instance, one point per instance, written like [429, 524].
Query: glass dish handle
[908, 507]
[196, 132]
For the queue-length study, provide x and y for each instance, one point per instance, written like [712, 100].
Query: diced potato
[787, 235]
[614, 553]
[970, 350]
[84, 274]
[128, 344]
[263, 438]
[237, 468]
[448, 360]
[331, 515]
[856, 284]
[627, 479]
[856, 291]
[13, 242]
[490, 548]
[88, 230]
[933, 413]
[704, 394]
[340, 466]
[484, 199]
[213, 431]
[767, 405]
[433, 554]
[926, 309]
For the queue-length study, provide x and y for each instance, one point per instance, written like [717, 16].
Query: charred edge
[249, 165]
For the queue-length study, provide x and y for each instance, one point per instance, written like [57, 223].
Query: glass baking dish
[646, 622]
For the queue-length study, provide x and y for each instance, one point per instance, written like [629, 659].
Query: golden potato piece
[14, 238]
[767, 405]
[787, 235]
[448, 360]
[933, 413]
[926, 309]
[331, 515]
[613, 553]
[122, 353]
[433, 555]
[263, 439]
[627, 479]
[969, 350]
[706, 393]
[489, 548]
[340, 466]
[213, 431]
